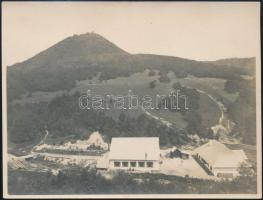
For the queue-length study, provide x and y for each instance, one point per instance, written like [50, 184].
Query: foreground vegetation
[84, 181]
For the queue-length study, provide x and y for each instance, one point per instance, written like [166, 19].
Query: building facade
[135, 154]
[220, 160]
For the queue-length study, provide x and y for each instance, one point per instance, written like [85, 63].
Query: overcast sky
[200, 31]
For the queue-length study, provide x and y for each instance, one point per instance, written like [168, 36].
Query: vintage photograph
[131, 99]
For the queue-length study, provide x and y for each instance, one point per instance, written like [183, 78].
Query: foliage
[152, 84]
[177, 86]
[164, 78]
[232, 86]
[87, 181]
[63, 117]
[151, 73]
[83, 57]
[243, 111]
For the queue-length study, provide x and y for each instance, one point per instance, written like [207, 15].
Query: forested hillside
[83, 57]
[63, 118]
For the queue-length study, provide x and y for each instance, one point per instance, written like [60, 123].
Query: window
[225, 175]
[141, 164]
[117, 164]
[150, 164]
[125, 164]
[133, 164]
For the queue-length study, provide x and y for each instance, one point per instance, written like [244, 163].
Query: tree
[247, 179]
[164, 78]
[177, 86]
[152, 84]
[122, 117]
[151, 73]
[231, 86]
[246, 170]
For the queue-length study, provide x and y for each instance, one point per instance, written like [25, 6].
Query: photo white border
[115, 196]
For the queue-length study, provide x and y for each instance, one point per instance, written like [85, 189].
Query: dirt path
[163, 121]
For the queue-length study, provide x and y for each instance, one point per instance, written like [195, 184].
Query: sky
[198, 31]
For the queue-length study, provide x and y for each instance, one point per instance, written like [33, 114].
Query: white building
[220, 160]
[135, 154]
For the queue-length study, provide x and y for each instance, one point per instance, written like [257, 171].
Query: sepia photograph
[131, 99]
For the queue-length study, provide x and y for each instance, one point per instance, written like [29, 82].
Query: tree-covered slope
[81, 57]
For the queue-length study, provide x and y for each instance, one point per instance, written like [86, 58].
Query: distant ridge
[81, 57]
[76, 48]
[248, 62]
